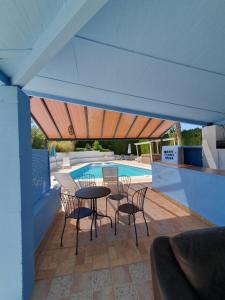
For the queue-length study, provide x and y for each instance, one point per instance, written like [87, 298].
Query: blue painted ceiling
[21, 24]
[154, 57]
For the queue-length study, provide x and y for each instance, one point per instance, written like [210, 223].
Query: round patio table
[93, 193]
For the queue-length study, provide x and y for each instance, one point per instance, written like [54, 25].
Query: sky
[186, 126]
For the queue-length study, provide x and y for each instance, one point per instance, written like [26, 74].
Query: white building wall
[212, 157]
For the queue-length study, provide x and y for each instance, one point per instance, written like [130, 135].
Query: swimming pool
[96, 170]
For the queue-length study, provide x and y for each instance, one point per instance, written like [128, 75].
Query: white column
[137, 150]
[16, 216]
[150, 149]
[211, 134]
[157, 147]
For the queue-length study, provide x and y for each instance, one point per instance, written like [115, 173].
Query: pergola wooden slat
[66, 121]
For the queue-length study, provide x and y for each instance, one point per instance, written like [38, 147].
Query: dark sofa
[190, 265]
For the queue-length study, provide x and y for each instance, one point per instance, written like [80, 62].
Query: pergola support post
[16, 214]
[137, 152]
[150, 148]
[157, 147]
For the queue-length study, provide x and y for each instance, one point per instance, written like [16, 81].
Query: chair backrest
[86, 180]
[67, 182]
[69, 204]
[110, 174]
[124, 184]
[139, 198]
[66, 162]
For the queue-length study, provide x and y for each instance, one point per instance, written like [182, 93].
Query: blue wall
[40, 173]
[16, 228]
[202, 192]
[26, 204]
[192, 155]
[46, 200]
[44, 212]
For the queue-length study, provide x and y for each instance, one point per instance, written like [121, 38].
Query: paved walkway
[109, 267]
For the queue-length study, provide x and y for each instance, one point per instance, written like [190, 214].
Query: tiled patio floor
[109, 267]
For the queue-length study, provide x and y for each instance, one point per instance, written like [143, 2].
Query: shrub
[144, 149]
[62, 146]
[96, 146]
[38, 138]
[88, 147]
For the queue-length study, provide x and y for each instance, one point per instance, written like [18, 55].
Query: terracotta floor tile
[145, 290]
[104, 294]
[126, 291]
[45, 274]
[81, 281]
[60, 287]
[118, 262]
[101, 279]
[139, 272]
[65, 268]
[109, 266]
[83, 267]
[84, 295]
[41, 289]
[120, 275]
[100, 261]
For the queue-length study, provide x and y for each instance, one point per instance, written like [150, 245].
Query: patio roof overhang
[65, 121]
[157, 59]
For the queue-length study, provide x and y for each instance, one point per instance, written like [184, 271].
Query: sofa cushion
[169, 282]
[201, 256]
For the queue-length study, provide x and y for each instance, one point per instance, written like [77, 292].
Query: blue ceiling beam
[113, 108]
[4, 79]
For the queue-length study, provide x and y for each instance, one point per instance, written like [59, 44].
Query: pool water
[96, 170]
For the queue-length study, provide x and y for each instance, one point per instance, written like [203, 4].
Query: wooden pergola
[156, 141]
[65, 121]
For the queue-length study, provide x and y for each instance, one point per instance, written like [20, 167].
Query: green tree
[38, 138]
[192, 137]
[178, 133]
[62, 146]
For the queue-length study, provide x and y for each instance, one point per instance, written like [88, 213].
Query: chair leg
[135, 229]
[118, 204]
[145, 223]
[111, 224]
[106, 205]
[96, 235]
[116, 213]
[92, 221]
[128, 219]
[77, 229]
[61, 243]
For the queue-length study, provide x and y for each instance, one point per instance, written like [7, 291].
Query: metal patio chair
[110, 175]
[66, 162]
[67, 183]
[74, 210]
[123, 185]
[86, 180]
[131, 208]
